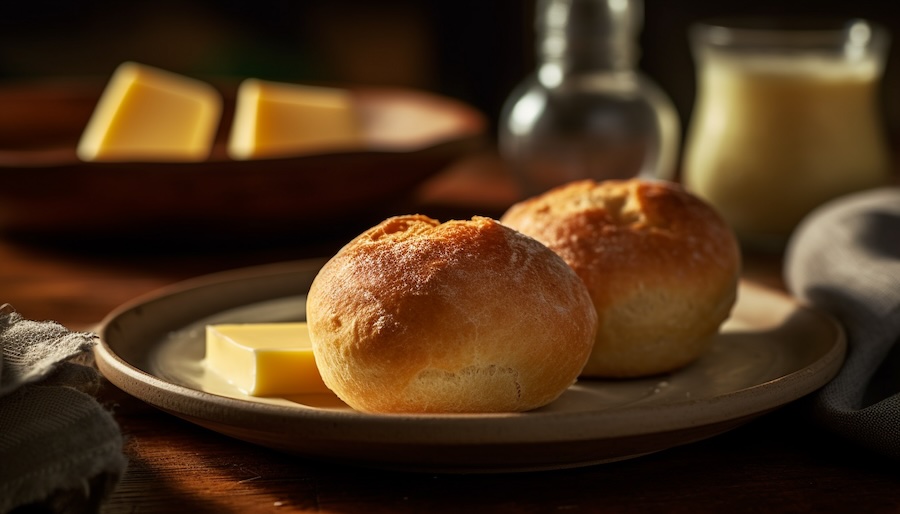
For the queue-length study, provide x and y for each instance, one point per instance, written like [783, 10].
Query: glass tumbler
[785, 119]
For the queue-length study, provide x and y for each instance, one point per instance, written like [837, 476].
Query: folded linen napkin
[845, 259]
[60, 451]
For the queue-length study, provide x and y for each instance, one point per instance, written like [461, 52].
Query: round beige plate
[771, 352]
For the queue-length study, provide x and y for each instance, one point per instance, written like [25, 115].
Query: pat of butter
[148, 114]
[274, 119]
[264, 359]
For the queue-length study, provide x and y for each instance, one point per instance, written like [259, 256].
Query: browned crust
[465, 316]
[661, 265]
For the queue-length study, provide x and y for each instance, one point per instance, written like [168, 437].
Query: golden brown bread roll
[662, 268]
[417, 316]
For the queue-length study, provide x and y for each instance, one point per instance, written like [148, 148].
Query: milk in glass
[776, 133]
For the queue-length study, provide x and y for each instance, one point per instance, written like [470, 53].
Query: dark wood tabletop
[780, 462]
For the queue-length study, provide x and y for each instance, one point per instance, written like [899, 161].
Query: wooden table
[781, 462]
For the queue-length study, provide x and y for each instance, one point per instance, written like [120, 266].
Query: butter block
[148, 114]
[264, 359]
[274, 119]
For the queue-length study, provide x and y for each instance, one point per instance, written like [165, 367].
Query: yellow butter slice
[274, 119]
[149, 114]
[264, 359]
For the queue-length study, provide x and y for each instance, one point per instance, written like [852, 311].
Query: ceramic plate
[407, 136]
[772, 351]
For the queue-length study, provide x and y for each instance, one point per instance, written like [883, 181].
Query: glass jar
[587, 112]
[785, 119]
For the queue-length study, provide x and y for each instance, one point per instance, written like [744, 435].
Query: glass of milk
[784, 120]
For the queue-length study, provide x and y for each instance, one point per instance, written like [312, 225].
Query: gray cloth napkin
[60, 450]
[845, 259]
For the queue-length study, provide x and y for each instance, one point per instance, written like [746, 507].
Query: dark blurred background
[474, 50]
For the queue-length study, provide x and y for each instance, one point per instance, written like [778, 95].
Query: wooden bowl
[46, 189]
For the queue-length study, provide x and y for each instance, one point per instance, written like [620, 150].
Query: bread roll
[661, 266]
[415, 316]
